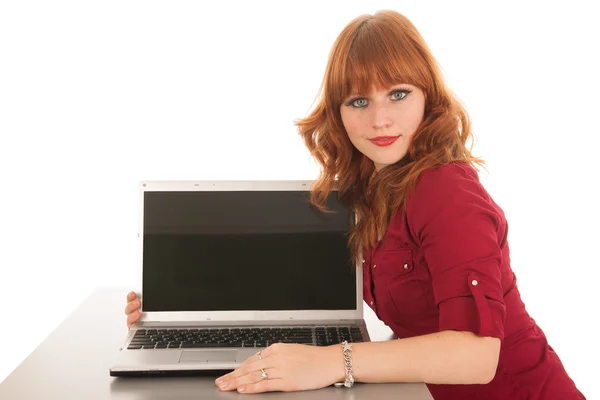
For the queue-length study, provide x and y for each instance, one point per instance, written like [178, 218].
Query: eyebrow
[399, 86]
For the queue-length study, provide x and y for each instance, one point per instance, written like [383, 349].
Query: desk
[73, 363]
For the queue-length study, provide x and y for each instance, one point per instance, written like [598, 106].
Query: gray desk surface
[73, 363]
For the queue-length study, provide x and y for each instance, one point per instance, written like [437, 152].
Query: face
[381, 124]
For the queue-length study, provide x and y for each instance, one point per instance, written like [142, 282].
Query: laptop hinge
[152, 324]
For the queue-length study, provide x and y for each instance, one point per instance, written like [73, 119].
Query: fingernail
[219, 381]
[241, 389]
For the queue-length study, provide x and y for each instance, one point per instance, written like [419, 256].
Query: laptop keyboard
[241, 337]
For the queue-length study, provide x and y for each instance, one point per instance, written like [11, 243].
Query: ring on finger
[263, 374]
[260, 357]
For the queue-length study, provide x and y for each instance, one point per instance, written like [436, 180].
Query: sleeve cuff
[477, 313]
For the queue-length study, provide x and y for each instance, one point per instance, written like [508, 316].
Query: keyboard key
[142, 343]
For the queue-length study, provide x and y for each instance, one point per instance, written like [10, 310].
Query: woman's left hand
[288, 367]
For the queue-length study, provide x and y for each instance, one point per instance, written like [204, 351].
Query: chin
[386, 161]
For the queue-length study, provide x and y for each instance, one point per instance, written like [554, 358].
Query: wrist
[336, 363]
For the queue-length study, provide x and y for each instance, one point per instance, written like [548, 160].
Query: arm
[460, 233]
[448, 357]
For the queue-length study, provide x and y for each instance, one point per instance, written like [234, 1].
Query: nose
[381, 116]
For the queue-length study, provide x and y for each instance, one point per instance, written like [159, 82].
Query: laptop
[230, 267]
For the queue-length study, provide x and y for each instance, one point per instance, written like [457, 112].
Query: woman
[433, 243]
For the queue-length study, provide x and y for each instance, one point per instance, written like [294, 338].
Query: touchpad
[199, 356]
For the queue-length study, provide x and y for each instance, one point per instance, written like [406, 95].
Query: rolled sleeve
[461, 230]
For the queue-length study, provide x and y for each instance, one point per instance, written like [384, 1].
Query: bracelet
[347, 349]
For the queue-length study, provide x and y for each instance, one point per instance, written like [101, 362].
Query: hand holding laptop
[132, 309]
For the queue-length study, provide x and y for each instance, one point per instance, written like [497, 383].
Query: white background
[96, 96]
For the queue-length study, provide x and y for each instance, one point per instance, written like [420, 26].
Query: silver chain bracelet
[347, 348]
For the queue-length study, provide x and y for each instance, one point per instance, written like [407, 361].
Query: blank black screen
[245, 250]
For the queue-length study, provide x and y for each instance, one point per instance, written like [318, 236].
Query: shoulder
[446, 177]
[451, 188]
[449, 180]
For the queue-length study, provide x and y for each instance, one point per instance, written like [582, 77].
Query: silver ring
[259, 355]
[263, 374]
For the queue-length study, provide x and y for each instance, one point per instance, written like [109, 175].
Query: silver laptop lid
[244, 251]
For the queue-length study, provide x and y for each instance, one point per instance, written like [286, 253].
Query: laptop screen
[245, 250]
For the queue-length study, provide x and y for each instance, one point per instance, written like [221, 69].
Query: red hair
[383, 49]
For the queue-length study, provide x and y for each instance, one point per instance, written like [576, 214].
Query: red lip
[383, 141]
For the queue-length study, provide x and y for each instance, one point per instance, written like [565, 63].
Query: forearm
[446, 357]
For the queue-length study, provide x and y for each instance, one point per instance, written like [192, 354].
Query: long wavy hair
[383, 49]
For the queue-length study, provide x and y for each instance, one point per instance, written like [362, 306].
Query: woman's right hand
[132, 310]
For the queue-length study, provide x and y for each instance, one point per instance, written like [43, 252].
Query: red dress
[444, 265]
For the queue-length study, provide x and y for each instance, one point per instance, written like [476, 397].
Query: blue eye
[403, 92]
[358, 103]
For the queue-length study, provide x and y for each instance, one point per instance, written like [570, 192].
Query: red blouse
[444, 264]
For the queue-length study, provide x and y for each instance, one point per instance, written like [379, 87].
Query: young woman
[433, 243]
